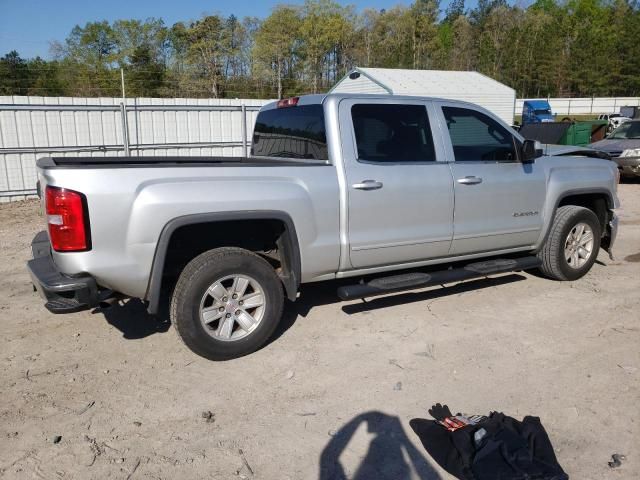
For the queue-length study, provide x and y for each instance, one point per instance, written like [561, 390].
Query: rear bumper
[61, 293]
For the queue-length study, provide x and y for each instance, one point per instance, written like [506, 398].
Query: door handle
[470, 180]
[367, 185]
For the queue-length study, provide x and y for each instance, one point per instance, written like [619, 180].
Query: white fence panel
[69, 126]
[584, 106]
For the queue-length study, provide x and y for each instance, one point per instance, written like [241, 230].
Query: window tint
[295, 132]
[477, 137]
[392, 133]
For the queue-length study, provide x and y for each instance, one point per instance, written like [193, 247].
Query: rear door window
[392, 133]
[293, 132]
[476, 137]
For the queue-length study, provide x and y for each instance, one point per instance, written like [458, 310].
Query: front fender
[576, 177]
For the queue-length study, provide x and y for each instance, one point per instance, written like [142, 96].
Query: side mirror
[530, 150]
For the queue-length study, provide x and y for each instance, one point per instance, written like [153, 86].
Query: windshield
[628, 130]
[543, 111]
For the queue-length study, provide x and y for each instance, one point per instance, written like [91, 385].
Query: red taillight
[288, 102]
[66, 217]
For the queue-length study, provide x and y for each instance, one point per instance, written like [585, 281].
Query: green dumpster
[584, 132]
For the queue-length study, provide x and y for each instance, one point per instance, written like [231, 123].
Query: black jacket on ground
[510, 450]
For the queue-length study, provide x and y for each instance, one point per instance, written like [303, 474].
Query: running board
[414, 280]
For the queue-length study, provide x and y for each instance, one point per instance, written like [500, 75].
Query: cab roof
[320, 98]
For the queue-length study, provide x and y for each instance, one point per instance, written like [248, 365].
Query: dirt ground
[115, 394]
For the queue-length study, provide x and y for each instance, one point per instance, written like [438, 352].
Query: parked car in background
[623, 146]
[614, 119]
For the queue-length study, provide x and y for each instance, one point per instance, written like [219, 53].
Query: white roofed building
[471, 87]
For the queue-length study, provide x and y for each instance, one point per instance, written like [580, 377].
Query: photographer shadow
[390, 454]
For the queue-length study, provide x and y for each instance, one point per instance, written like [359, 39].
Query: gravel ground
[114, 394]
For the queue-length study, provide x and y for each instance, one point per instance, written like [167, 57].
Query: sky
[29, 26]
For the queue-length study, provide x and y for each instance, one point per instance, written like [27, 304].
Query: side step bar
[414, 280]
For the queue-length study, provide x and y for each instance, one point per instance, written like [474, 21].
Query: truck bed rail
[138, 162]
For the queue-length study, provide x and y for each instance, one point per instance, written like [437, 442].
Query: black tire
[552, 253]
[195, 280]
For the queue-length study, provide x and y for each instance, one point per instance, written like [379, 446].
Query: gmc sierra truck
[394, 192]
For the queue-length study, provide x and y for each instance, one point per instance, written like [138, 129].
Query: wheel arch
[287, 243]
[599, 200]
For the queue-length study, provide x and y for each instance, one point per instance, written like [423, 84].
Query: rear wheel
[572, 245]
[226, 303]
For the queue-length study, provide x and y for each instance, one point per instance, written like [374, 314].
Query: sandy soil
[129, 401]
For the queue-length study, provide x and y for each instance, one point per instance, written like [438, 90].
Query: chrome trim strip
[401, 244]
[494, 234]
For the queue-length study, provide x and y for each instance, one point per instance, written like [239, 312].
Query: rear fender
[290, 273]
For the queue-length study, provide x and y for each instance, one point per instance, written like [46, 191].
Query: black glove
[440, 412]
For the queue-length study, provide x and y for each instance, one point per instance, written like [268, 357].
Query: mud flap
[610, 236]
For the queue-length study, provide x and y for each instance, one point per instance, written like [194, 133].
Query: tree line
[557, 48]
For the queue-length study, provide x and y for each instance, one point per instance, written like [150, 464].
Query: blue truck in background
[537, 111]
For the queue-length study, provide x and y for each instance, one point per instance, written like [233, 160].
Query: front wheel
[226, 303]
[572, 245]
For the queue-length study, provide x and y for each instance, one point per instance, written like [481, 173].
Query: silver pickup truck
[395, 192]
